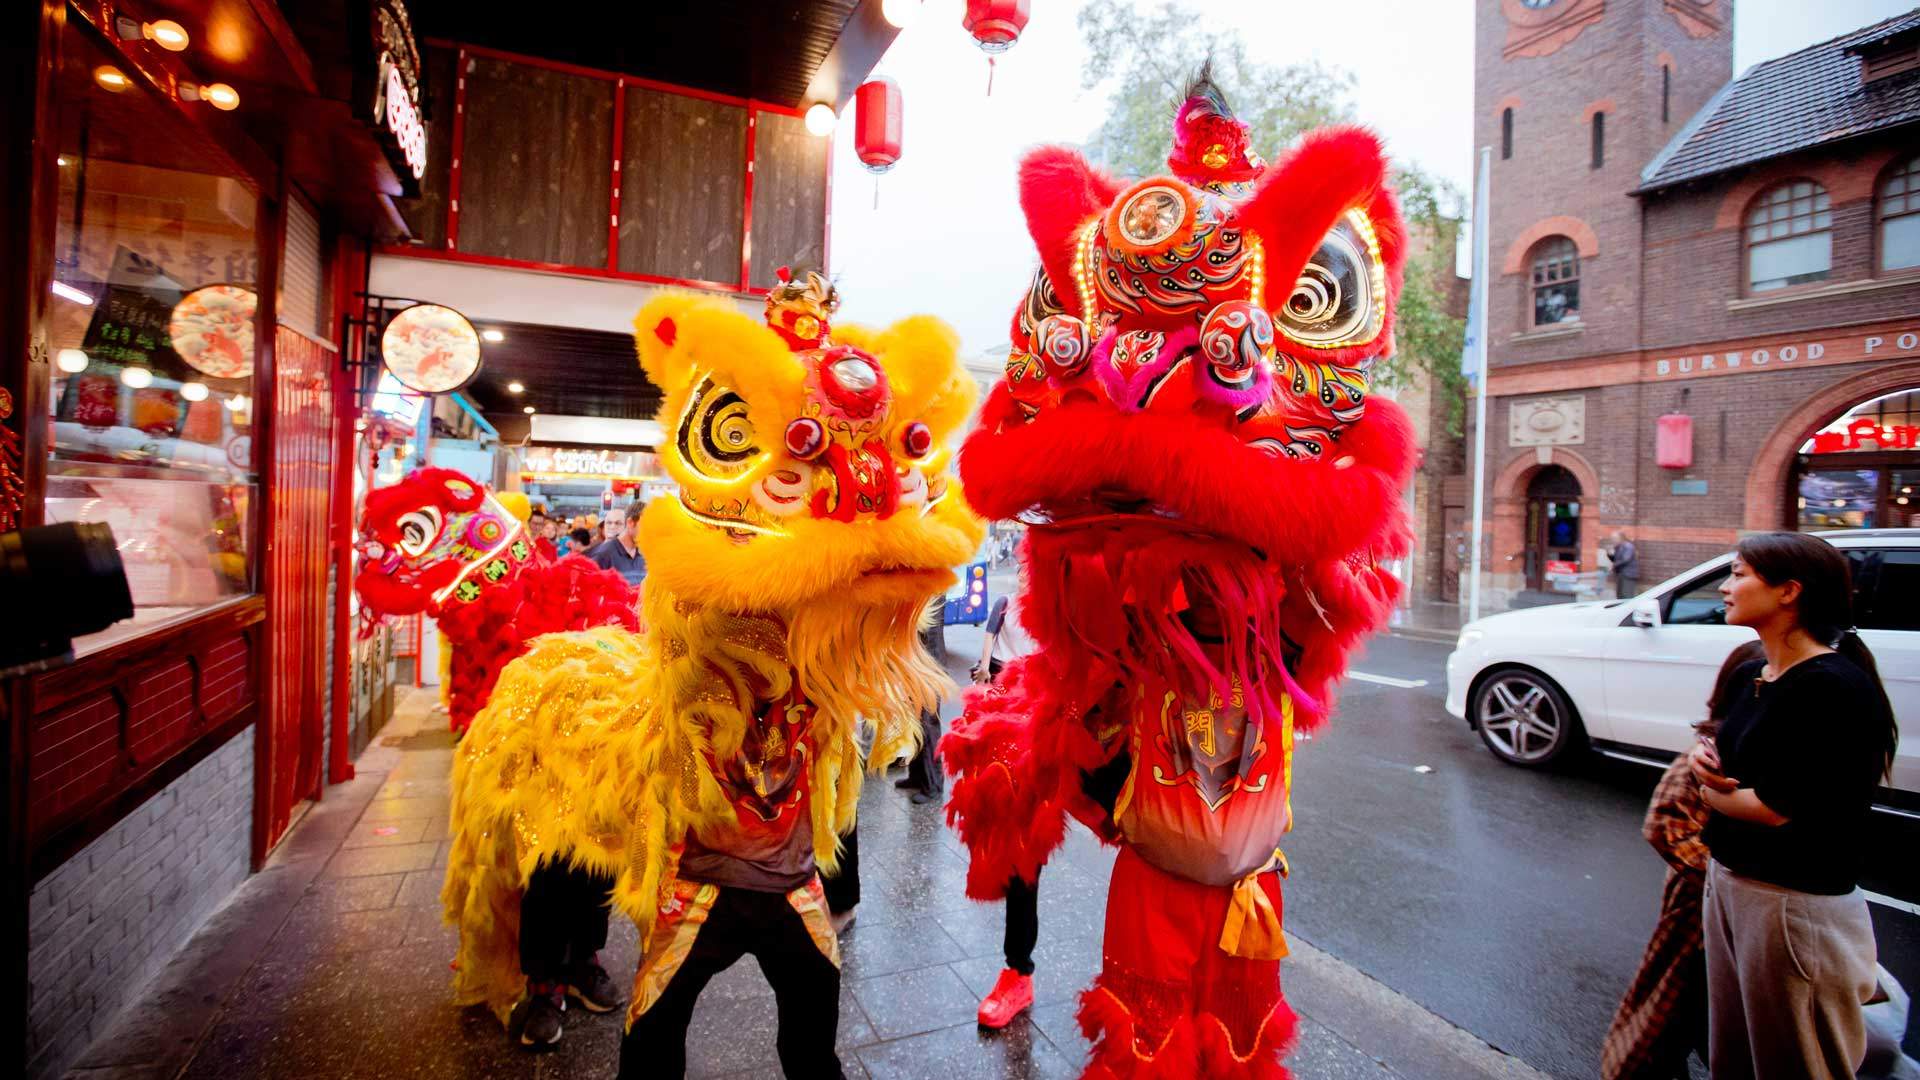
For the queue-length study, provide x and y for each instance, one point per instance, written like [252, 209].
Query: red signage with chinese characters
[1865, 434]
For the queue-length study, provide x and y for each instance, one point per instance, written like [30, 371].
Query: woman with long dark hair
[1790, 780]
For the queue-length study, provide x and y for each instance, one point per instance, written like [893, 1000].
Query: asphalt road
[1515, 903]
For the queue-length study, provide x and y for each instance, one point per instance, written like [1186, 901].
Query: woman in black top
[1790, 781]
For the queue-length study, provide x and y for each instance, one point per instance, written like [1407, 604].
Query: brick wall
[112, 916]
[1733, 416]
[1612, 65]
[1694, 254]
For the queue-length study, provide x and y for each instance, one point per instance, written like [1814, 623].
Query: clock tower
[1576, 97]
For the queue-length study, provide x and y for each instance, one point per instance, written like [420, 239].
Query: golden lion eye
[716, 435]
[1340, 297]
[418, 530]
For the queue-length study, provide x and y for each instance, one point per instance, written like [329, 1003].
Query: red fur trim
[1300, 510]
[1196, 1046]
[1059, 191]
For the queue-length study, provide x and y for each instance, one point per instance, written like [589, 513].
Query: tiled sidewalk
[333, 962]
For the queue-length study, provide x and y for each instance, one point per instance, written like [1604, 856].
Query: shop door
[299, 495]
[1553, 527]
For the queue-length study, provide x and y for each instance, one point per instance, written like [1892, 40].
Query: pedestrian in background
[1663, 1016]
[622, 552]
[1625, 560]
[1790, 780]
[924, 776]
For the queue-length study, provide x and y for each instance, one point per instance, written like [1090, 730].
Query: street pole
[1482, 186]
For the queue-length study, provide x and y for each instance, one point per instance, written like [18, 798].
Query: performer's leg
[843, 888]
[656, 1041]
[1023, 923]
[545, 915]
[587, 981]
[1012, 992]
[801, 961]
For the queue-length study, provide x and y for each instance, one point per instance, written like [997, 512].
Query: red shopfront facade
[149, 195]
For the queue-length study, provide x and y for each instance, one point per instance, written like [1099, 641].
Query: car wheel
[1523, 717]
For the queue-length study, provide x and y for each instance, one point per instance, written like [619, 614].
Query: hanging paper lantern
[995, 26]
[876, 128]
[876, 124]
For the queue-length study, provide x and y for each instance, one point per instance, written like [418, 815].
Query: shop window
[1506, 133]
[1599, 139]
[1789, 237]
[1839, 498]
[1556, 281]
[1903, 497]
[1899, 213]
[152, 327]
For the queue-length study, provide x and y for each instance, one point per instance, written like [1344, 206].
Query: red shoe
[1012, 994]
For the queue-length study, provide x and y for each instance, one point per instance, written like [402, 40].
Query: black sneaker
[590, 985]
[538, 1019]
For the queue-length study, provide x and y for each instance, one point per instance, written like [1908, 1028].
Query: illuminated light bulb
[220, 96]
[60, 161]
[528, 410]
[137, 377]
[166, 33]
[67, 292]
[193, 391]
[820, 119]
[71, 361]
[516, 387]
[111, 79]
[900, 13]
[492, 335]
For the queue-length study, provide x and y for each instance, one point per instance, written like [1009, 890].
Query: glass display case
[152, 322]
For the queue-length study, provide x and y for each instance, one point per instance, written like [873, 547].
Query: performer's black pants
[563, 920]
[1023, 923]
[843, 888]
[923, 772]
[806, 990]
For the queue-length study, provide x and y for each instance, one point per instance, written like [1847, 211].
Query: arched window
[1556, 281]
[1899, 213]
[1789, 237]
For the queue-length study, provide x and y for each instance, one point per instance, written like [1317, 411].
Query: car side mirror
[1642, 618]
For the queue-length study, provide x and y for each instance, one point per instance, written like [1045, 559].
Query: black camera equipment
[57, 582]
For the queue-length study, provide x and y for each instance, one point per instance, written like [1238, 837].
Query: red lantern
[995, 26]
[1673, 441]
[876, 124]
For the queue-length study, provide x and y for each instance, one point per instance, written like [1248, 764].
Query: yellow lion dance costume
[816, 517]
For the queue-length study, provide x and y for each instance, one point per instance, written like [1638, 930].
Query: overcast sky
[947, 237]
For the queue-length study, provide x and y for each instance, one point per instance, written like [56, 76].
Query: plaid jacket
[1664, 1012]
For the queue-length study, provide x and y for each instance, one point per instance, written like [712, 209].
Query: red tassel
[989, 75]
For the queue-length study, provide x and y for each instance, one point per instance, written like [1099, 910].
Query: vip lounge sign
[396, 91]
[561, 464]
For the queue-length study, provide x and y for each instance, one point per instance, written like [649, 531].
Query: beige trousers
[1787, 972]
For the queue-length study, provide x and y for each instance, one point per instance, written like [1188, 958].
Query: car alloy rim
[1520, 718]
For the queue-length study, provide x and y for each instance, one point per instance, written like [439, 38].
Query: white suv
[1630, 677]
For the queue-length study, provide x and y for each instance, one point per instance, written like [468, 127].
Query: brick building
[1740, 257]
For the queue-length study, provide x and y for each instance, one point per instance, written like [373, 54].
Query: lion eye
[418, 530]
[716, 436]
[1340, 297]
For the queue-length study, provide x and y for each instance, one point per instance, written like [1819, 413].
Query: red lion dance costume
[440, 544]
[1184, 426]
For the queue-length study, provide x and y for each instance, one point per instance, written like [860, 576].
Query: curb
[1397, 1032]
[1421, 633]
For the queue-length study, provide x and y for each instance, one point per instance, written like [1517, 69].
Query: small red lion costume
[1184, 427]
[438, 543]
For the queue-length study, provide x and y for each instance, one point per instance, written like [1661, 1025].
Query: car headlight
[1469, 637]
